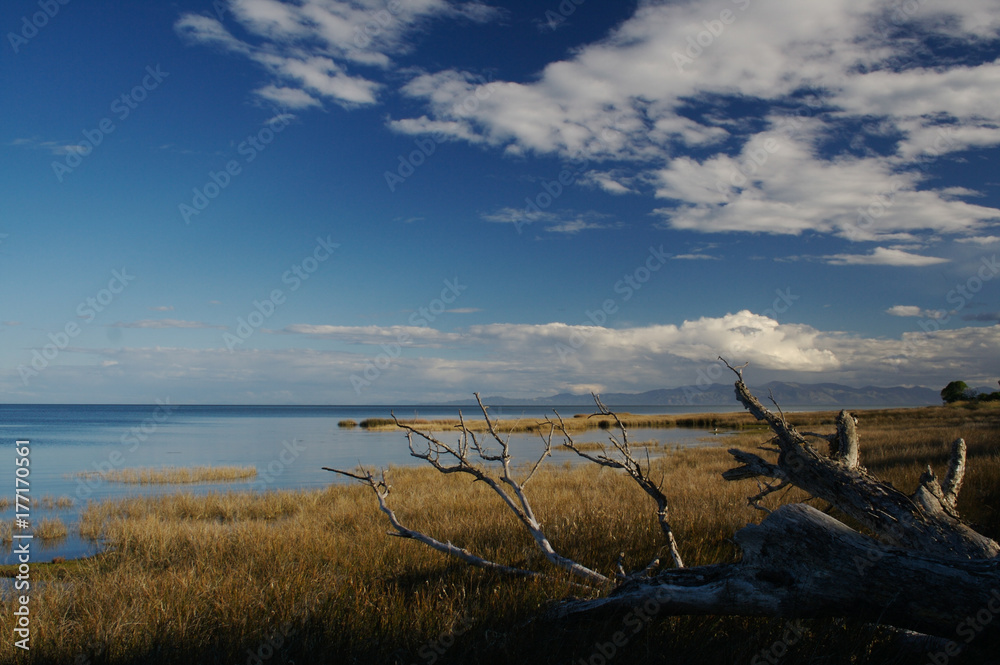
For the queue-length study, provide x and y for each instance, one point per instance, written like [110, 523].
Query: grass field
[311, 577]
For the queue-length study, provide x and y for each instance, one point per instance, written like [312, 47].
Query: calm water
[287, 444]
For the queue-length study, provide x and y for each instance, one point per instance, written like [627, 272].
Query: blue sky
[326, 201]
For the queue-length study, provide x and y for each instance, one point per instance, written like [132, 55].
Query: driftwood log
[918, 567]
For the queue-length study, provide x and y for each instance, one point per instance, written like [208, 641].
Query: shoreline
[581, 422]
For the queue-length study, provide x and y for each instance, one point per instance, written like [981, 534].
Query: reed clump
[49, 502]
[206, 578]
[50, 529]
[170, 475]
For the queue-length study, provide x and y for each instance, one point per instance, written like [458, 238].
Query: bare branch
[381, 489]
[638, 472]
[503, 484]
[753, 467]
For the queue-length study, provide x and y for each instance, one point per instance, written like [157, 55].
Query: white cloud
[374, 335]
[628, 99]
[292, 98]
[905, 310]
[308, 45]
[694, 257]
[161, 324]
[564, 221]
[515, 359]
[882, 256]
[622, 99]
[981, 240]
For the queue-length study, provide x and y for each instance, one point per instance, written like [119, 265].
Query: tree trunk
[802, 563]
[925, 570]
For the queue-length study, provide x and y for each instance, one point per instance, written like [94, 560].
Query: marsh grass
[597, 446]
[49, 502]
[170, 475]
[50, 529]
[579, 422]
[205, 578]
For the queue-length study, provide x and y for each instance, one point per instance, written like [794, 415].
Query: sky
[371, 202]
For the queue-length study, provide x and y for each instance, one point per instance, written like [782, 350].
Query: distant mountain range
[720, 394]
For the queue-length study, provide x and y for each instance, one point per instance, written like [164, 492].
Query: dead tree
[472, 456]
[917, 567]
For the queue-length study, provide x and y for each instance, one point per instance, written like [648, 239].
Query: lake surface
[288, 445]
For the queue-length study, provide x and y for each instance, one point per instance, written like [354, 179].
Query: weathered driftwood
[801, 563]
[921, 569]
[927, 522]
[924, 571]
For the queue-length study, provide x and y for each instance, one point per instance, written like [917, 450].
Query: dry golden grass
[204, 578]
[595, 446]
[578, 422]
[50, 529]
[49, 502]
[169, 475]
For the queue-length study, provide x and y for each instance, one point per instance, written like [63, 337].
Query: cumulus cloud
[818, 70]
[642, 110]
[516, 359]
